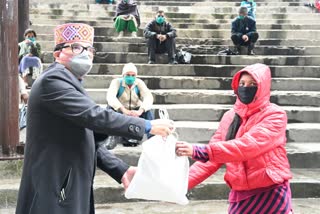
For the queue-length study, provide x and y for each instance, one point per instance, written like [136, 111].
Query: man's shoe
[134, 34]
[121, 33]
[111, 142]
[251, 53]
[130, 143]
[173, 62]
[237, 50]
[151, 62]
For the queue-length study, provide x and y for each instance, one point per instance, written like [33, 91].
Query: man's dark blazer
[61, 154]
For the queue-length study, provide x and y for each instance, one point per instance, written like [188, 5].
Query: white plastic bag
[161, 175]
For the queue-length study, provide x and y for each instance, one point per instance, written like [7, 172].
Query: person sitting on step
[29, 53]
[251, 5]
[104, 1]
[129, 95]
[127, 18]
[244, 31]
[316, 5]
[161, 38]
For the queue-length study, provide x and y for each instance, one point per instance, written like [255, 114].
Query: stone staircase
[198, 94]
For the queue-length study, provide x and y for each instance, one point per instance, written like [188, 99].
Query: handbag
[183, 57]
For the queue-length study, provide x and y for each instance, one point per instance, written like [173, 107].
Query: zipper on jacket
[64, 186]
[130, 100]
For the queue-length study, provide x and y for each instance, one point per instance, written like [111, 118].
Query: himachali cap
[73, 32]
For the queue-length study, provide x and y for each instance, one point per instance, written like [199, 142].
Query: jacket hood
[262, 75]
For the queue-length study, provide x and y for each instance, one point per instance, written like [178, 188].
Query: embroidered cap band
[73, 32]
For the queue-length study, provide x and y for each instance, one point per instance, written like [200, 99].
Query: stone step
[219, 83]
[214, 112]
[199, 9]
[203, 33]
[305, 184]
[302, 23]
[195, 1]
[301, 155]
[196, 49]
[103, 41]
[150, 14]
[202, 70]
[262, 26]
[176, 96]
[117, 57]
[201, 132]
[300, 205]
[165, 3]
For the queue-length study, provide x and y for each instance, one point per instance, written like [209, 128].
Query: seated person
[316, 5]
[29, 53]
[251, 5]
[104, 1]
[127, 17]
[161, 38]
[244, 32]
[129, 95]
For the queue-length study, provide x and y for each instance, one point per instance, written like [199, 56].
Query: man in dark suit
[161, 38]
[244, 31]
[61, 153]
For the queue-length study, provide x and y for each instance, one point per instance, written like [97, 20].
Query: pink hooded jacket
[257, 156]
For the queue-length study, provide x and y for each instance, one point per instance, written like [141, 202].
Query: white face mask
[80, 65]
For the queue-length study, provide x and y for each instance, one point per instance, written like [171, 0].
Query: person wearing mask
[29, 56]
[244, 32]
[315, 5]
[161, 38]
[127, 18]
[252, 6]
[129, 95]
[250, 141]
[61, 153]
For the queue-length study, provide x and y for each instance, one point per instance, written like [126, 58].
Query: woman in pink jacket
[250, 141]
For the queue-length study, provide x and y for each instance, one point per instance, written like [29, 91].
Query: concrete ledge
[202, 70]
[193, 96]
[215, 83]
[305, 184]
[202, 33]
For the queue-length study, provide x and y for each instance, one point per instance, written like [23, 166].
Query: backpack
[121, 89]
[183, 57]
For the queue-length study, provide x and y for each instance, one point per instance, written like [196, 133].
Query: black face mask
[246, 94]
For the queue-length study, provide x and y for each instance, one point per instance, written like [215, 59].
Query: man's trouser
[154, 46]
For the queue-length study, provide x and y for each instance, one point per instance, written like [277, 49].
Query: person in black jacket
[244, 31]
[61, 152]
[161, 38]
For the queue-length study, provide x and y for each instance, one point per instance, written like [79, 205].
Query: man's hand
[137, 113]
[245, 38]
[161, 127]
[24, 98]
[184, 149]
[163, 38]
[125, 111]
[128, 176]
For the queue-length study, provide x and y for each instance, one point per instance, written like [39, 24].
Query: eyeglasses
[160, 16]
[78, 49]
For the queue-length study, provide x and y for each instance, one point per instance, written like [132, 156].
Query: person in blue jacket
[244, 32]
[251, 5]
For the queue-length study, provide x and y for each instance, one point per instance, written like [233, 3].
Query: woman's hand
[184, 149]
